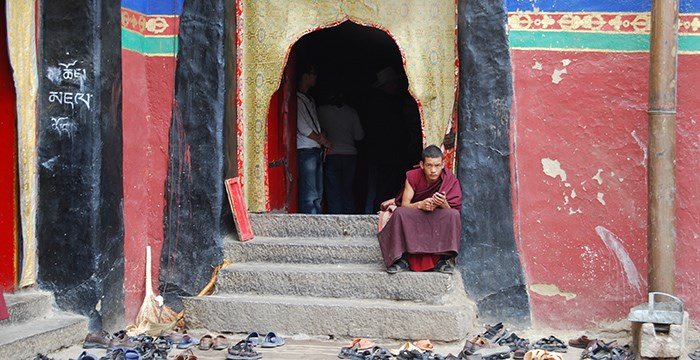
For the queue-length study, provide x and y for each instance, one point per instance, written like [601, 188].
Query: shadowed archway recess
[424, 32]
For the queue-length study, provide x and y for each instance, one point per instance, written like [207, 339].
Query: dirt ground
[301, 347]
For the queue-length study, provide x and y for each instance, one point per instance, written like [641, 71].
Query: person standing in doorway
[342, 124]
[394, 136]
[310, 144]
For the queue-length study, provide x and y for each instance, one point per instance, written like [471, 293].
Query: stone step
[41, 335]
[291, 315]
[320, 226]
[25, 305]
[307, 250]
[353, 281]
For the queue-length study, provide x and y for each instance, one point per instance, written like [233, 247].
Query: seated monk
[424, 231]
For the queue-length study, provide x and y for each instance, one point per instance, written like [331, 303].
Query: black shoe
[444, 266]
[398, 266]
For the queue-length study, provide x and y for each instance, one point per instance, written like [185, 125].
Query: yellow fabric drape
[424, 30]
[21, 42]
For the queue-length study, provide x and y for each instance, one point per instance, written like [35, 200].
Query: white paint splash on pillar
[598, 178]
[600, 198]
[641, 145]
[556, 75]
[537, 66]
[553, 168]
[614, 244]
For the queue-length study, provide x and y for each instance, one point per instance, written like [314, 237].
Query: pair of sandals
[243, 350]
[443, 266]
[550, 344]
[600, 350]
[418, 355]
[186, 355]
[540, 354]
[358, 349]
[207, 342]
[115, 354]
[271, 340]
[376, 353]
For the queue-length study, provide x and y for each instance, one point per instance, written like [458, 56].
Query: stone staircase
[34, 327]
[323, 275]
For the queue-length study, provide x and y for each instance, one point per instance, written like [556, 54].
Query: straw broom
[153, 317]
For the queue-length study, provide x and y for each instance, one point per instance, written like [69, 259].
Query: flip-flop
[253, 338]
[381, 354]
[220, 342]
[424, 345]
[363, 344]
[206, 342]
[87, 356]
[406, 346]
[347, 352]
[187, 342]
[272, 340]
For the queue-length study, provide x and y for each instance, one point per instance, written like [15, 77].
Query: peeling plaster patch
[614, 244]
[621, 179]
[567, 185]
[577, 211]
[556, 75]
[598, 178]
[573, 193]
[566, 199]
[641, 145]
[600, 198]
[553, 168]
[566, 62]
[537, 66]
[550, 290]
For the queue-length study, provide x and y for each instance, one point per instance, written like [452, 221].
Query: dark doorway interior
[348, 57]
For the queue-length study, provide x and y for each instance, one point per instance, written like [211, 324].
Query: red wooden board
[238, 208]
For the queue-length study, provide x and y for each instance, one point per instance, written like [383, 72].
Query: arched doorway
[266, 30]
[348, 58]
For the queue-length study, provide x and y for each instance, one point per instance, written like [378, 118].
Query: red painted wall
[579, 139]
[8, 166]
[148, 83]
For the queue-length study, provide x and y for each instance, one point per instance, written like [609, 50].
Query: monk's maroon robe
[424, 236]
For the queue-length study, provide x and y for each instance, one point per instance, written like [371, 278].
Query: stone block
[288, 315]
[26, 305]
[650, 343]
[303, 225]
[307, 250]
[24, 340]
[353, 281]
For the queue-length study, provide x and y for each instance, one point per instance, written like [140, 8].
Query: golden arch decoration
[424, 30]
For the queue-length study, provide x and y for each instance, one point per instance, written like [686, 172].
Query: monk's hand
[440, 200]
[427, 204]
